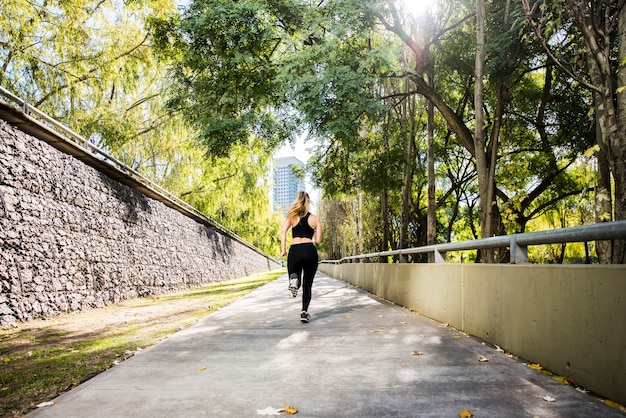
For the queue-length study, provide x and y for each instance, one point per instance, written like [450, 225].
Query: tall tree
[247, 67]
[595, 35]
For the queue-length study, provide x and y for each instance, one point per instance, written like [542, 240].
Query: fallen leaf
[565, 380]
[549, 398]
[417, 353]
[483, 359]
[560, 379]
[456, 337]
[290, 410]
[43, 404]
[498, 349]
[379, 330]
[614, 405]
[404, 322]
[268, 411]
[535, 366]
[466, 414]
[202, 368]
[445, 325]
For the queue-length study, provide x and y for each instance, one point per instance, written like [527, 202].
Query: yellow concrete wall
[570, 319]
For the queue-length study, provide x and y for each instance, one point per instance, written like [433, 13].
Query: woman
[302, 259]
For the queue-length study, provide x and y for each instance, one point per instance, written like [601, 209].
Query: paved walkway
[359, 357]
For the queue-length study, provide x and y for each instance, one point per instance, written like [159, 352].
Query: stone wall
[71, 238]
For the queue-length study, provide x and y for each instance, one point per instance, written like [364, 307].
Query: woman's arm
[318, 230]
[283, 237]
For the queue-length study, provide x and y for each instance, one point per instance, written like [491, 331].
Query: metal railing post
[438, 256]
[519, 254]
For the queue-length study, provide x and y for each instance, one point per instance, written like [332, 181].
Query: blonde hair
[299, 207]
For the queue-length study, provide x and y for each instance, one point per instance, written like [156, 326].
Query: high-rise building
[286, 184]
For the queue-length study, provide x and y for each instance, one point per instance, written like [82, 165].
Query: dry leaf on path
[466, 414]
[549, 398]
[417, 353]
[290, 410]
[483, 359]
[202, 368]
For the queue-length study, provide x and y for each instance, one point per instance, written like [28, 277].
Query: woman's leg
[310, 268]
[294, 267]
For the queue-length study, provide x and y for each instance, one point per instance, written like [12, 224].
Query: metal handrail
[96, 152]
[517, 243]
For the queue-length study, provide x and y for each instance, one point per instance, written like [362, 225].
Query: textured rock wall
[71, 238]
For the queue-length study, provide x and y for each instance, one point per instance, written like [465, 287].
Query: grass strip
[41, 359]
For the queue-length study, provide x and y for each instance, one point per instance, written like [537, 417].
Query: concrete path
[359, 357]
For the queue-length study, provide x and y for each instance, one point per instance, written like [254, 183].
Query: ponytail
[299, 207]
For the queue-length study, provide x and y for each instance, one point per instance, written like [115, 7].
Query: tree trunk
[409, 164]
[384, 208]
[482, 161]
[431, 229]
[610, 111]
[603, 205]
[619, 150]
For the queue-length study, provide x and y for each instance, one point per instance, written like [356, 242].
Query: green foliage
[86, 63]
[91, 65]
[225, 71]
[233, 80]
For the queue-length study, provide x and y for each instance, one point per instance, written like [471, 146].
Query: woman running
[302, 259]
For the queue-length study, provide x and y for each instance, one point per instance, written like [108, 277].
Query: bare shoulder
[314, 220]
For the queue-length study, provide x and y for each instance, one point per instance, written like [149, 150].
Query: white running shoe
[305, 317]
[294, 284]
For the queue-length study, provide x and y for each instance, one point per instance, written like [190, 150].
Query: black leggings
[303, 258]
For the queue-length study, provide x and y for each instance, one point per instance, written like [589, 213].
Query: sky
[300, 150]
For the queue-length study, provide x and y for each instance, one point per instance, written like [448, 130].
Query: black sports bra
[303, 229]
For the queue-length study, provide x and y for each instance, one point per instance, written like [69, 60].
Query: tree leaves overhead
[90, 64]
[86, 63]
[271, 68]
[241, 77]
[225, 71]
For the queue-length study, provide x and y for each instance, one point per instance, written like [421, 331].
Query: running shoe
[304, 317]
[294, 284]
